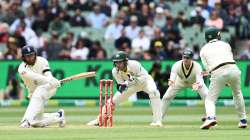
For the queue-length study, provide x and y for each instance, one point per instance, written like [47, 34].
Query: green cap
[212, 33]
[120, 56]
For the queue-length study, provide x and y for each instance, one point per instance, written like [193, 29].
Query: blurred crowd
[145, 29]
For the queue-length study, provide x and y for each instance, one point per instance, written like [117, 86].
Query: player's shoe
[210, 122]
[156, 124]
[61, 113]
[94, 122]
[243, 123]
[25, 124]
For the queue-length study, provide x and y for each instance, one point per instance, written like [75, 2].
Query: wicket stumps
[108, 107]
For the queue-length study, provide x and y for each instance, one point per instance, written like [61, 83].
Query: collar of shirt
[213, 40]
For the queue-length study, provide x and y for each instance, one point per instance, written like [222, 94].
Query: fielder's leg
[203, 91]
[235, 84]
[155, 100]
[168, 97]
[218, 81]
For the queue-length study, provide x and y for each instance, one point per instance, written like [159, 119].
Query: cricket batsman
[41, 85]
[131, 77]
[185, 73]
[217, 58]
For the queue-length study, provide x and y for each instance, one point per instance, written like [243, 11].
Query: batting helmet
[120, 56]
[28, 50]
[188, 54]
[212, 33]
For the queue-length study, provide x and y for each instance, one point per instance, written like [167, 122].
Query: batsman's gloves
[54, 83]
[122, 87]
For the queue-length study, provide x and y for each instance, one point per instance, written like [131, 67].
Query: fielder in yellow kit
[217, 58]
[131, 77]
[185, 73]
[41, 85]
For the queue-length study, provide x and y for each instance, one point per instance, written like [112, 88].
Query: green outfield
[130, 123]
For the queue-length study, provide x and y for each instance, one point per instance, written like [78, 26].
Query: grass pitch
[182, 123]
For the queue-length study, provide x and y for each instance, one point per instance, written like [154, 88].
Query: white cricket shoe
[209, 122]
[243, 123]
[62, 123]
[25, 124]
[157, 124]
[94, 122]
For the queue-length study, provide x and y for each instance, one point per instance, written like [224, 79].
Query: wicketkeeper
[131, 77]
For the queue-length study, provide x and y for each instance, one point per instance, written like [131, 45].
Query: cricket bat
[79, 76]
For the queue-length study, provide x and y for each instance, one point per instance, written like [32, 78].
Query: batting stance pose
[217, 57]
[131, 77]
[185, 73]
[41, 84]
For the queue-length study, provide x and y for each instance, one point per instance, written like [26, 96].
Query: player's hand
[170, 83]
[227, 85]
[196, 86]
[205, 73]
[54, 83]
[122, 87]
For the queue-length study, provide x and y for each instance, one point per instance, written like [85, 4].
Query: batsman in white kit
[217, 58]
[131, 77]
[41, 85]
[185, 73]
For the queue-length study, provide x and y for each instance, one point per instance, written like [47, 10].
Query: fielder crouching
[185, 73]
[41, 85]
[131, 77]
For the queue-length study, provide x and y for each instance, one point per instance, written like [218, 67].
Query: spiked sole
[209, 125]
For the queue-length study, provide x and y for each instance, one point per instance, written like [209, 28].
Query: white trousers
[150, 88]
[228, 74]
[172, 91]
[35, 110]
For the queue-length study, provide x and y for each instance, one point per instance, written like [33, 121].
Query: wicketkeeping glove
[122, 87]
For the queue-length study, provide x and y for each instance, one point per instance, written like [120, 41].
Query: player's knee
[154, 94]
[165, 97]
[168, 96]
[39, 92]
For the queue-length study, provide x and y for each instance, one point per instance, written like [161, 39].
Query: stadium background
[83, 35]
[69, 35]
